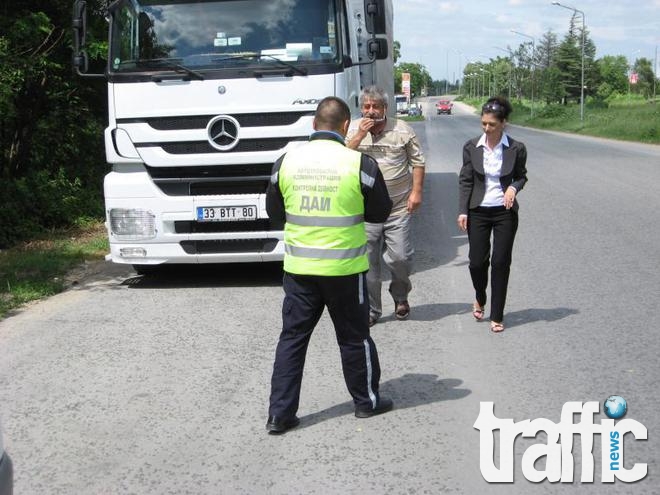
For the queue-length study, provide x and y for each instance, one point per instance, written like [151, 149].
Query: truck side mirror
[377, 48]
[80, 60]
[79, 24]
[375, 16]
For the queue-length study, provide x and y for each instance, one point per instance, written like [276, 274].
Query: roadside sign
[405, 84]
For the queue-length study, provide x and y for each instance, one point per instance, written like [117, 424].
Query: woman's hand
[462, 222]
[509, 197]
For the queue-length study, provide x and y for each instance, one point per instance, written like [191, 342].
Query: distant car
[444, 106]
[6, 471]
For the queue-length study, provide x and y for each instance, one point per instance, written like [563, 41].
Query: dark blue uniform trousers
[305, 297]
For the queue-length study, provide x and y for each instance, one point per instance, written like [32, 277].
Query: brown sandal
[478, 312]
[496, 327]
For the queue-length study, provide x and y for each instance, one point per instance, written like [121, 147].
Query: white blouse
[493, 168]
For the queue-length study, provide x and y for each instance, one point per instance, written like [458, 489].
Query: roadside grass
[408, 118]
[624, 118]
[38, 268]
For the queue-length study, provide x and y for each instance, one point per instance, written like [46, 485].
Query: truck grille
[192, 227]
[230, 246]
[244, 145]
[212, 180]
[200, 121]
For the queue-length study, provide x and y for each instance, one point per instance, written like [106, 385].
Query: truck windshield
[198, 35]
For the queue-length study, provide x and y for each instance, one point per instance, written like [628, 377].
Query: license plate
[226, 213]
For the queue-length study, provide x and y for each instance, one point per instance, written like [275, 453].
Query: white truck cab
[203, 97]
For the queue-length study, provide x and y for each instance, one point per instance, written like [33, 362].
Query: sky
[445, 35]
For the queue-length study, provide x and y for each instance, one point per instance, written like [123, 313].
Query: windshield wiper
[164, 63]
[300, 70]
[291, 68]
[237, 56]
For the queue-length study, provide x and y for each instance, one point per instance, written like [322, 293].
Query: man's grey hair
[374, 93]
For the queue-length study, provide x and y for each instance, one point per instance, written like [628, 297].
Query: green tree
[502, 72]
[644, 69]
[545, 50]
[568, 60]
[548, 76]
[396, 51]
[51, 123]
[613, 78]
[522, 74]
[550, 88]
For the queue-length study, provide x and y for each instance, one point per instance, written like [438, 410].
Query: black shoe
[402, 310]
[277, 426]
[383, 406]
[372, 321]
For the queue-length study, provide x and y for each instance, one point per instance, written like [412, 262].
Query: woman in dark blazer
[492, 175]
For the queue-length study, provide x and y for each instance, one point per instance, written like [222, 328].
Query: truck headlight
[132, 225]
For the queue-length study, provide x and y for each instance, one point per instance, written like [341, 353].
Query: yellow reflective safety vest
[324, 232]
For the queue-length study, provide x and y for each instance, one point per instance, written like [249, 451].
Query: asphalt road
[132, 385]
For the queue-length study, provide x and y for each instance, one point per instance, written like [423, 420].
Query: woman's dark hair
[498, 106]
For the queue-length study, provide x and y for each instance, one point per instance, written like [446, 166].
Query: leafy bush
[43, 201]
[593, 103]
[553, 111]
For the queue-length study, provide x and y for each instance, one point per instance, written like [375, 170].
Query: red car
[444, 106]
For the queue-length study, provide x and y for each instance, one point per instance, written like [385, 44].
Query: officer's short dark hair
[331, 114]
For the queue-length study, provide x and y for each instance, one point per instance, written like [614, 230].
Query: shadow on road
[215, 275]
[435, 237]
[431, 312]
[438, 311]
[435, 312]
[410, 390]
[537, 314]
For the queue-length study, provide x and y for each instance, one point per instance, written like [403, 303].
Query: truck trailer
[203, 97]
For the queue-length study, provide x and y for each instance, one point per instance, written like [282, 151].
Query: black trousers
[502, 224]
[305, 297]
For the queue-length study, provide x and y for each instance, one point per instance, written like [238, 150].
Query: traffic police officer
[325, 192]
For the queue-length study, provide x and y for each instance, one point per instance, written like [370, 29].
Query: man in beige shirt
[394, 145]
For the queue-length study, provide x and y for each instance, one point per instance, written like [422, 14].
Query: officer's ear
[345, 126]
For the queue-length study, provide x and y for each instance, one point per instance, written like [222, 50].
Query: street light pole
[576, 11]
[655, 71]
[460, 65]
[533, 64]
[485, 88]
[447, 65]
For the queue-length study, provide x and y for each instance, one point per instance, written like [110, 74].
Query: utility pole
[655, 71]
[447, 66]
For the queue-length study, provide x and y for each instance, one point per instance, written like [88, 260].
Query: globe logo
[615, 407]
